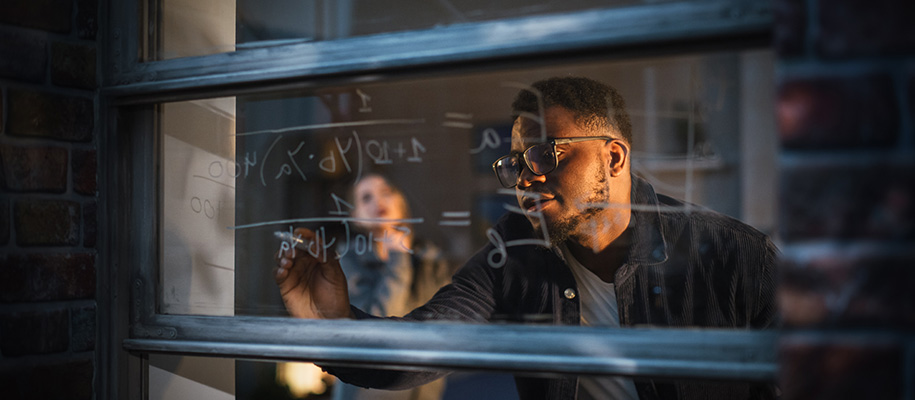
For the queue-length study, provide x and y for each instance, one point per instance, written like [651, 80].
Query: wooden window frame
[129, 148]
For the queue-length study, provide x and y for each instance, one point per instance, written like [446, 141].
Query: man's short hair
[597, 106]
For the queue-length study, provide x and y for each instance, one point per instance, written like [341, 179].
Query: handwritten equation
[352, 148]
[347, 154]
[351, 153]
[362, 242]
[322, 247]
[357, 242]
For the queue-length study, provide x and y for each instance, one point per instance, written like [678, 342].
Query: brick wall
[846, 101]
[48, 159]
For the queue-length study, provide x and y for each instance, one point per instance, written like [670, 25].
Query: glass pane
[298, 380]
[198, 196]
[185, 377]
[183, 28]
[239, 170]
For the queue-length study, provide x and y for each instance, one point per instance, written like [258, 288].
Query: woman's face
[374, 198]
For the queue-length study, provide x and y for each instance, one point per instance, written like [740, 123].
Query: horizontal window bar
[672, 353]
[647, 25]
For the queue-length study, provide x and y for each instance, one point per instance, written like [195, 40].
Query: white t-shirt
[598, 308]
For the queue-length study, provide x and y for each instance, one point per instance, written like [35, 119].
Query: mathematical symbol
[365, 101]
[400, 150]
[490, 140]
[458, 120]
[455, 218]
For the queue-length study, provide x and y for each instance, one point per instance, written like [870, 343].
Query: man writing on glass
[612, 252]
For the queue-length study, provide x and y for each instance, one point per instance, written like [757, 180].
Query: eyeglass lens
[508, 169]
[541, 159]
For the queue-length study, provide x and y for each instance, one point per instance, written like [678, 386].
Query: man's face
[577, 191]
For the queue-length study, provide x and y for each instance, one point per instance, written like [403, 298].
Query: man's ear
[618, 156]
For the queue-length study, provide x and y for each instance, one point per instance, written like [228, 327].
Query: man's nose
[527, 177]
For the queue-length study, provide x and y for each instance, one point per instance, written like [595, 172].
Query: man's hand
[312, 287]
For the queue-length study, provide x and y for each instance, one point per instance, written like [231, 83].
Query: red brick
[90, 224]
[34, 169]
[34, 332]
[48, 15]
[831, 113]
[847, 201]
[849, 289]
[863, 28]
[47, 222]
[790, 29]
[48, 115]
[86, 18]
[73, 65]
[65, 380]
[46, 277]
[85, 172]
[24, 56]
[82, 329]
[853, 369]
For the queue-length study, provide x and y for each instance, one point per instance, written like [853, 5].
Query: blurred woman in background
[391, 273]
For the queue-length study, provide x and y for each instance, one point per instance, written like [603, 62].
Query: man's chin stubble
[560, 231]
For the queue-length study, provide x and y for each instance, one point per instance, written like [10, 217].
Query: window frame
[651, 27]
[131, 150]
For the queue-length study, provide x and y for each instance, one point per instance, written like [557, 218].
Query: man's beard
[561, 230]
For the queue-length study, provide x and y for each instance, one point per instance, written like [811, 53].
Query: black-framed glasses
[540, 158]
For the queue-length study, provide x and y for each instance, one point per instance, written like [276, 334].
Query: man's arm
[314, 289]
[468, 299]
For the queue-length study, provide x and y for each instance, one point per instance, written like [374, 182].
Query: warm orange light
[302, 379]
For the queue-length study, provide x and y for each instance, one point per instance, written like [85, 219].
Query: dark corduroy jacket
[687, 267]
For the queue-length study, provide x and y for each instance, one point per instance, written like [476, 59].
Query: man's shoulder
[676, 214]
[698, 217]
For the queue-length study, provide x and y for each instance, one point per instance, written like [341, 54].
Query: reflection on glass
[302, 380]
[256, 380]
[397, 271]
[259, 380]
[266, 163]
[186, 28]
[198, 200]
[186, 377]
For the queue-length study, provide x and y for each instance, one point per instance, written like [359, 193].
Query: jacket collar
[648, 246]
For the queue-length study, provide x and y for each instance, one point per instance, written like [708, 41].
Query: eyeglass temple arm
[581, 139]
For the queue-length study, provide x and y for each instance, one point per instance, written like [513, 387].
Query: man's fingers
[281, 272]
[305, 239]
[290, 252]
[296, 265]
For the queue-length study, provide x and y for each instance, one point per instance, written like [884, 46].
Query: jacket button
[569, 293]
